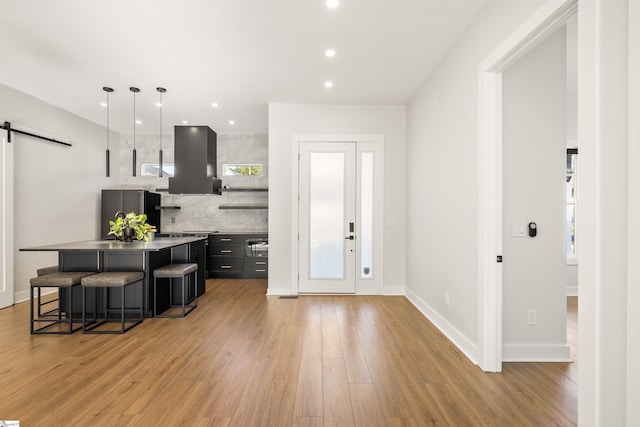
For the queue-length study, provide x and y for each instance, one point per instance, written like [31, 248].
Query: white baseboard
[455, 336]
[25, 296]
[572, 291]
[536, 353]
[393, 290]
[279, 292]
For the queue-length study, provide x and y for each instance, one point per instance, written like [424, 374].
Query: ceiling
[242, 54]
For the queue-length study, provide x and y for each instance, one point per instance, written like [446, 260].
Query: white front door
[327, 217]
[6, 221]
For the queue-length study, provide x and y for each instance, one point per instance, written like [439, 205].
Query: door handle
[350, 238]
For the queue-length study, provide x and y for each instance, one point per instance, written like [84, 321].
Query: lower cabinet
[229, 257]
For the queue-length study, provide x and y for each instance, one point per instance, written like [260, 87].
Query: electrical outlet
[447, 301]
[173, 220]
[531, 317]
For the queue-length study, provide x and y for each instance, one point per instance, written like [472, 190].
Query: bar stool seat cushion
[175, 270]
[113, 279]
[47, 270]
[61, 279]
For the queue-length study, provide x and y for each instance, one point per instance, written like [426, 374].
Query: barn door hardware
[7, 126]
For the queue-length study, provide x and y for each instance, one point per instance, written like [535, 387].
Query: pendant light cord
[160, 90]
[108, 90]
[107, 120]
[134, 90]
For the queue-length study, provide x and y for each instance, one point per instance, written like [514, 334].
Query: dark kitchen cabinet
[232, 256]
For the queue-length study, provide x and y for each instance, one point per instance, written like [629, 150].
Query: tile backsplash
[202, 211]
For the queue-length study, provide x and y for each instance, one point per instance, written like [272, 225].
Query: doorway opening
[545, 22]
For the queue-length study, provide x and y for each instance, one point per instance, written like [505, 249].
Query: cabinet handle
[261, 263]
[225, 251]
[225, 266]
[259, 271]
[225, 240]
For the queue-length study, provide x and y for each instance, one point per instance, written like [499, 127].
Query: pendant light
[108, 90]
[160, 90]
[134, 90]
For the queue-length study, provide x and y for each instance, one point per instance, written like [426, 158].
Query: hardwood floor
[244, 359]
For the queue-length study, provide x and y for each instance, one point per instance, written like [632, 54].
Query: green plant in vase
[130, 225]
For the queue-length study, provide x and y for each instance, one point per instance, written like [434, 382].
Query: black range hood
[195, 161]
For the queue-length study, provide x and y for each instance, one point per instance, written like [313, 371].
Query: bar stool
[176, 271]
[62, 280]
[42, 272]
[102, 283]
[47, 270]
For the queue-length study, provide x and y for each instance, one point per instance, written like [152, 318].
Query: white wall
[286, 120]
[57, 188]
[442, 177]
[534, 171]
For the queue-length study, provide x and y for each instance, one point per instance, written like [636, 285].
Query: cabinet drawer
[220, 249]
[226, 265]
[227, 238]
[256, 265]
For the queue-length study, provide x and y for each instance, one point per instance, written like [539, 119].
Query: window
[572, 200]
[152, 169]
[242, 170]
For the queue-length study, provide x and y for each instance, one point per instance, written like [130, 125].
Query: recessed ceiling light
[330, 53]
[158, 104]
[214, 104]
[138, 122]
[328, 84]
[185, 122]
[332, 4]
[232, 122]
[103, 104]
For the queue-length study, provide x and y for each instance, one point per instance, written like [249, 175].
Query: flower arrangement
[126, 226]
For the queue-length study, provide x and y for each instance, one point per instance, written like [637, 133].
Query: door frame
[364, 143]
[6, 222]
[544, 22]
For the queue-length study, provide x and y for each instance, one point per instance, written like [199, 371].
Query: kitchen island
[112, 255]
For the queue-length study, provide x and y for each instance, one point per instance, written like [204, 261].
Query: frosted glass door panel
[326, 216]
[366, 215]
[326, 239]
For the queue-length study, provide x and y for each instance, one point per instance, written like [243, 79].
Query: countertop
[157, 244]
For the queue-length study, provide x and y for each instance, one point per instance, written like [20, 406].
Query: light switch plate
[518, 229]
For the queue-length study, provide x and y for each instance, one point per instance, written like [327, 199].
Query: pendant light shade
[108, 90]
[134, 90]
[160, 90]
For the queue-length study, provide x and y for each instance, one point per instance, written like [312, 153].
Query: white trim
[549, 17]
[536, 353]
[23, 296]
[393, 290]
[7, 258]
[464, 344]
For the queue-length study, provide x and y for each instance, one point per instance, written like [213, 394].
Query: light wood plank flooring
[244, 359]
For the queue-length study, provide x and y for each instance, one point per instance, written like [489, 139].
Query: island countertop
[157, 244]
[113, 255]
